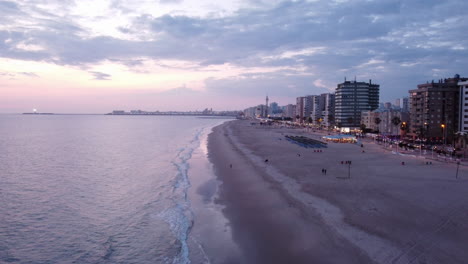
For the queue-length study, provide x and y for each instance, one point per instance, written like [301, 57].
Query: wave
[180, 216]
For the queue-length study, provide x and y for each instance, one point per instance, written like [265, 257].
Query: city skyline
[94, 57]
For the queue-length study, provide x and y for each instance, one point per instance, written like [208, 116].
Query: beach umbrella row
[306, 142]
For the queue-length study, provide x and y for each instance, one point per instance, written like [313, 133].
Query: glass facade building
[351, 98]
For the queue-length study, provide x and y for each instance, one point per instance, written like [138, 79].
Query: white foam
[180, 222]
[180, 217]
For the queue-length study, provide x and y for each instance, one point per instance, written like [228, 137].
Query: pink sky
[96, 56]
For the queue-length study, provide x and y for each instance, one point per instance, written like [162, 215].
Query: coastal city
[234, 132]
[433, 117]
[434, 114]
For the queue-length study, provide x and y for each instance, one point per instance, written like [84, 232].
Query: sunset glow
[148, 54]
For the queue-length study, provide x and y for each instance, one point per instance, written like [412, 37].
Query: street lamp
[423, 136]
[443, 133]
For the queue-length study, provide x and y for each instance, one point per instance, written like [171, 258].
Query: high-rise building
[308, 102]
[330, 107]
[404, 104]
[351, 98]
[274, 109]
[250, 112]
[397, 103]
[463, 122]
[316, 108]
[260, 111]
[434, 109]
[299, 109]
[289, 111]
[327, 108]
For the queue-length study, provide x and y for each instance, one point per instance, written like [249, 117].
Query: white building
[299, 109]
[368, 120]
[250, 112]
[387, 125]
[289, 111]
[328, 110]
[316, 108]
[308, 102]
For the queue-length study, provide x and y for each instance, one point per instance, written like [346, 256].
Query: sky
[67, 56]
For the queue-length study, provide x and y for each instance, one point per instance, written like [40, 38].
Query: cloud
[326, 39]
[15, 75]
[179, 91]
[170, 1]
[101, 76]
[7, 74]
[29, 74]
[279, 83]
[348, 28]
[8, 6]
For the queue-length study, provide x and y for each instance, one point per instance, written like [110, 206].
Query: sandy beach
[282, 208]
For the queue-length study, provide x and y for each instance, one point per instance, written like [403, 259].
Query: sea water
[108, 189]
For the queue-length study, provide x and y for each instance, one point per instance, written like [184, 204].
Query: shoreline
[286, 210]
[268, 224]
[209, 239]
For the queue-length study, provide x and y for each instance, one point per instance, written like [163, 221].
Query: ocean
[109, 189]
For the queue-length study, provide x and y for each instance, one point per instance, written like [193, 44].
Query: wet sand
[286, 211]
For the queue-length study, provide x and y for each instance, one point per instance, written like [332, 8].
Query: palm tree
[377, 121]
[331, 121]
[396, 121]
[363, 127]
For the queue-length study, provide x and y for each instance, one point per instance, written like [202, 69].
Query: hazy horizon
[98, 56]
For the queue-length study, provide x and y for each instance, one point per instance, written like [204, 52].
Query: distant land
[36, 113]
[206, 112]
